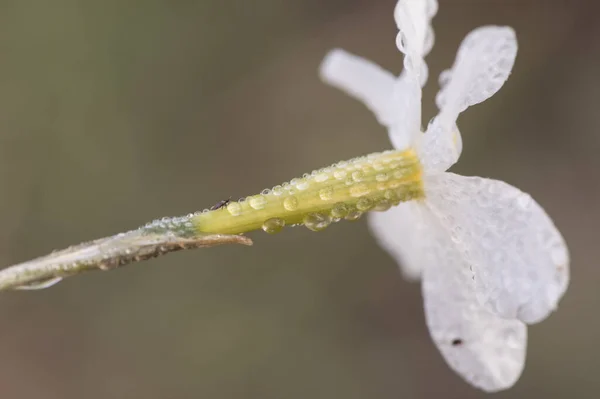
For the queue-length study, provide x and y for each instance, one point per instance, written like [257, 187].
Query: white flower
[489, 257]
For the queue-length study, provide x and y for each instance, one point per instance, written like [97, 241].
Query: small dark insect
[220, 204]
[457, 342]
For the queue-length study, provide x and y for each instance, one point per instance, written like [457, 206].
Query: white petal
[485, 349]
[406, 102]
[415, 39]
[362, 79]
[483, 63]
[396, 102]
[488, 351]
[518, 258]
[440, 147]
[394, 230]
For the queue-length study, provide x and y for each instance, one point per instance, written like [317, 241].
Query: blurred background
[113, 113]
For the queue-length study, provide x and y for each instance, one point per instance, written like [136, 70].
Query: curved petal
[396, 102]
[486, 350]
[518, 259]
[406, 102]
[483, 63]
[395, 230]
[415, 39]
[361, 79]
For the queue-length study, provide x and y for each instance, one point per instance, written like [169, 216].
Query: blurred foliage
[113, 113]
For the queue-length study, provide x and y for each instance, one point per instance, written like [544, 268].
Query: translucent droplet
[358, 176]
[382, 177]
[302, 184]
[401, 41]
[378, 166]
[339, 210]
[266, 191]
[359, 190]
[273, 225]
[400, 173]
[321, 177]
[316, 221]
[277, 190]
[364, 204]
[382, 205]
[326, 194]
[353, 215]
[524, 201]
[290, 203]
[257, 202]
[234, 208]
[340, 174]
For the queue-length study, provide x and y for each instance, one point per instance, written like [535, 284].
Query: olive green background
[113, 113]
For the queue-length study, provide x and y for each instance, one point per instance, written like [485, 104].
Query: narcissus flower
[489, 257]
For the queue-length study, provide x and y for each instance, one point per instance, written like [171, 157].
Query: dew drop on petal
[257, 202]
[382, 205]
[273, 225]
[359, 190]
[316, 221]
[357, 176]
[340, 174]
[321, 177]
[339, 210]
[353, 215]
[234, 208]
[326, 194]
[364, 204]
[277, 190]
[290, 203]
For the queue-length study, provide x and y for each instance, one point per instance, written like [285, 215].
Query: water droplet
[382, 177]
[353, 215]
[266, 191]
[326, 194]
[321, 177]
[364, 204]
[277, 190]
[400, 173]
[378, 166]
[234, 208]
[290, 203]
[339, 210]
[340, 174]
[273, 225]
[524, 201]
[358, 176]
[302, 184]
[359, 190]
[316, 221]
[257, 202]
[559, 256]
[382, 205]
